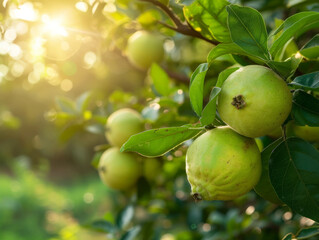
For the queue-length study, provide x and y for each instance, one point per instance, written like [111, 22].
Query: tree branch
[180, 27]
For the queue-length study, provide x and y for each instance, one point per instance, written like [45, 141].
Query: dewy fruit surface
[222, 165]
[122, 124]
[144, 48]
[119, 170]
[254, 101]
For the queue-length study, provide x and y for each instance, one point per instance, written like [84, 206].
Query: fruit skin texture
[118, 170]
[254, 101]
[122, 124]
[307, 133]
[144, 48]
[222, 165]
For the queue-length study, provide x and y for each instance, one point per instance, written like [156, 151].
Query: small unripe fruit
[122, 124]
[119, 170]
[152, 168]
[254, 101]
[222, 165]
[144, 48]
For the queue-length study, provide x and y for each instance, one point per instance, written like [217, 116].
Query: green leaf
[223, 49]
[308, 81]
[82, 102]
[308, 232]
[101, 226]
[224, 75]
[209, 112]
[160, 79]
[264, 187]
[287, 68]
[248, 30]
[132, 233]
[196, 89]
[305, 109]
[294, 174]
[125, 217]
[289, 236]
[157, 142]
[311, 49]
[65, 105]
[293, 26]
[209, 18]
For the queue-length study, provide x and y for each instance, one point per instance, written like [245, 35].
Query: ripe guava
[254, 101]
[122, 124]
[310, 134]
[222, 165]
[119, 170]
[144, 48]
[152, 168]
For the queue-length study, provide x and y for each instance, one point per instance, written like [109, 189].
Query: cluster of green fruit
[225, 162]
[120, 171]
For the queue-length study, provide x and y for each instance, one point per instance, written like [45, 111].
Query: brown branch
[180, 27]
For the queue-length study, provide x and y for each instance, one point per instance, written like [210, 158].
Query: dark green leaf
[305, 109]
[132, 234]
[209, 18]
[157, 142]
[264, 187]
[311, 49]
[294, 174]
[308, 232]
[196, 88]
[143, 188]
[287, 68]
[289, 236]
[248, 30]
[160, 80]
[223, 49]
[293, 26]
[125, 217]
[308, 81]
[224, 75]
[65, 105]
[101, 226]
[209, 112]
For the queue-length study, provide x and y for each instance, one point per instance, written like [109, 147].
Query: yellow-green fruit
[152, 168]
[119, 170]
[222, 165]
[307, 133]
[144, 48]
[276, 133]
[122, 124]
[254, 101]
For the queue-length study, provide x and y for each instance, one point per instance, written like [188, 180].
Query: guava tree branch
[180, 27]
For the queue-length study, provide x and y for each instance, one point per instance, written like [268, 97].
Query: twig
[180, 27]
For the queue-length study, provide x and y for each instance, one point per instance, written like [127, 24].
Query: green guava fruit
[222, 165]
[310, 134]
[254, 101]
[152, 168]
[118, 170]
[144, 48]
[122, 124]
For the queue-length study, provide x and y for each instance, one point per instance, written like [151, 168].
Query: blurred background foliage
[63, 70]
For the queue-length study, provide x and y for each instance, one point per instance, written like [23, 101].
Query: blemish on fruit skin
[102, 169]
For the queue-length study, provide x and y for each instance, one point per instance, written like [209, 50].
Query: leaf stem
[183, 28]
